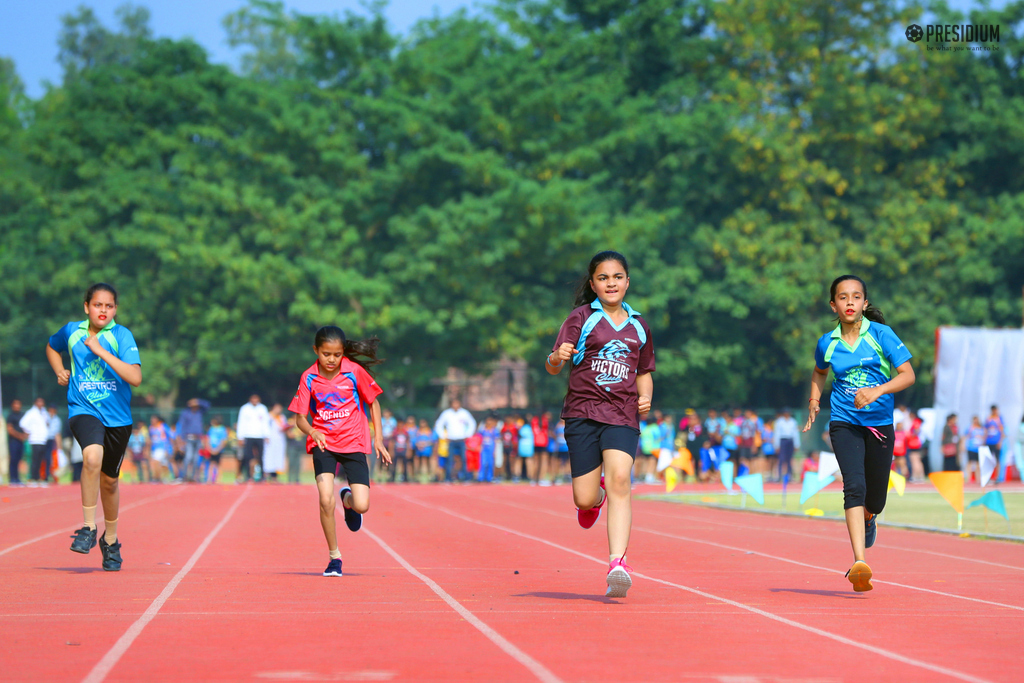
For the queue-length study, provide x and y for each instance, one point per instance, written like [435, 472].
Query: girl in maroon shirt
[611, 356]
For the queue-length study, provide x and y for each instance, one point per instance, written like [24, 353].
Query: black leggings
[865, 461]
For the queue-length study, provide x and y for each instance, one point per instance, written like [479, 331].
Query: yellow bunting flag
[897, 481]
[684, 461]
[814, 512]
[671, 479]
[951, 487]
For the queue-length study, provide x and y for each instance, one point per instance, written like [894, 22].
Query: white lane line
[832, 539]
[72, 528]
[103, 667]
[535, 667]
[780, 559]
[54, 499]
[895, 656]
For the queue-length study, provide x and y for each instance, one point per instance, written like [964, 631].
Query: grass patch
[924, 508]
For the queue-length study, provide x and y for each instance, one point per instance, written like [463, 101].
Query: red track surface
[717, 595]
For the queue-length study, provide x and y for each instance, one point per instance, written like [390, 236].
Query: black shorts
[587, 440]
[215, 458]
[89, 431]
[354, 464]
[972, 456]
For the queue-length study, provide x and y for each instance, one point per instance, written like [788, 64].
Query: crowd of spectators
[526, 447]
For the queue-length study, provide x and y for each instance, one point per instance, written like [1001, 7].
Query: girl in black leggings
[870, 365]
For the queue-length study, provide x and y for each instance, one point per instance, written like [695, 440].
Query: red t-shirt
[602, 384]
[339, 406]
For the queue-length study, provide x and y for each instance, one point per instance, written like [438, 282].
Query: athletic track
[222, 583]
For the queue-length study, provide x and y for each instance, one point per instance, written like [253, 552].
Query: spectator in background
[491, 434]
[786, 441]
[749, 430]
[914, 448]
[402, 453]
[714, 427]
[899, 448]
[950, 444]
[650, 447]
[275, 444]
[900, 416]
[975, 438]
[55, 427]
[1019, 458]
[730, 441]
[526, 448]
[388, 425]
[251, 430]
[540, 425]
[296, 448]
[217, 441]
[510, 447]
[35, 423]
[190, 434]
[994, 433]
[768, 450]
[456, 424]
[76, 459]
[16, 438]
[423, 446]
[159, 447]
[137, 449]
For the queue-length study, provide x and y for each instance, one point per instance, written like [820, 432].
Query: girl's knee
[327, 504]
[617, 484]
[586, 500]
[361, 506]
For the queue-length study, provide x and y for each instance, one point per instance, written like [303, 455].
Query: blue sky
[28, 28]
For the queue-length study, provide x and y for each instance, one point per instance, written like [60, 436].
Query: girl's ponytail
[873, 314]
[356, 351]
[365, 348]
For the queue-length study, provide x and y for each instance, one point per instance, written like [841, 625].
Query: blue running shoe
[111, 555]
[870, 531]
[85, 540]
[333, 568]
[353, 519]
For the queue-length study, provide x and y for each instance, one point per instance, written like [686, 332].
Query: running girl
[105, 365]
[339, 393]
[870, 365]
[610, 387]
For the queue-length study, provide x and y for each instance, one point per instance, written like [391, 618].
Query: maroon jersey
[602, 377]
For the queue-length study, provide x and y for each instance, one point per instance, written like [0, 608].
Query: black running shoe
[85, 540]
[353, 519]
[333, 568]
[111, 555]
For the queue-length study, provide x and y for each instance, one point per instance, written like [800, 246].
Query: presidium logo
[943, 34]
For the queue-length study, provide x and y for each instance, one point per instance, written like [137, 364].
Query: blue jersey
[993, 430]
[870, 362]
[217, 436]
[975, 438]
[94, 388]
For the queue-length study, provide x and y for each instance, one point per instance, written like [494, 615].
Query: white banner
[976, 368]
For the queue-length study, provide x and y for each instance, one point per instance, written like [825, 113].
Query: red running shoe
[588, 518]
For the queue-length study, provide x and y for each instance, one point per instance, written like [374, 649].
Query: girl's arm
[57, 363]
[378, 434]
[645, 391]
[818, 378]
[303, 424]
[904, 378]
[129, 373]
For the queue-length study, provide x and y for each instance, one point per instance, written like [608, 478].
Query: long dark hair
[870, 312]
[100, 287]
[585, 294]
[366, 348]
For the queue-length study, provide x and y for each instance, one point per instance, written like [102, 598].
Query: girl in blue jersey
[870, 365]
[105, 365]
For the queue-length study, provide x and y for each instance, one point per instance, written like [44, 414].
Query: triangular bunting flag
[684, 461]
[897, 481]
[951, 486]
[993, 500]
[812, 485]
[988, 462]
[827, 464]
[754, 485]
[726, 468]
[671, 479]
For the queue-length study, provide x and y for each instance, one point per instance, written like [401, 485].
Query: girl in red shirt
[339, 394]
[611, 358]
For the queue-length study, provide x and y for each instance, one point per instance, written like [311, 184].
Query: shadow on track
[826, 594]
[568, 596]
